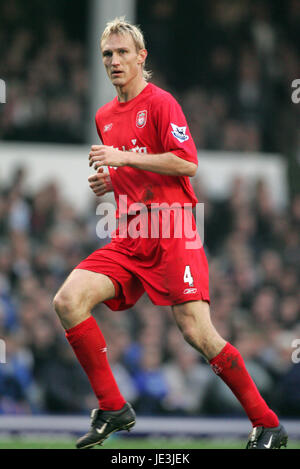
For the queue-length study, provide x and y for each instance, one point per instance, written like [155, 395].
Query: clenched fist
[103, 155]
[100, 183]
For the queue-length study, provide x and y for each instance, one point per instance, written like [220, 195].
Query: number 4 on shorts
[187, 277]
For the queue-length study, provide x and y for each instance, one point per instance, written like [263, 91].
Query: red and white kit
[170, 273]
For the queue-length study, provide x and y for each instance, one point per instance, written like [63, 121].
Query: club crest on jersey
[179, 133]
[107, 127]
[141, 119]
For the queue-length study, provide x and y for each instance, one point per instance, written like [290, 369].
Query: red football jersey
[153, 123]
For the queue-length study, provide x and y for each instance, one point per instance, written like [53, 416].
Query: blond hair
[120, 26]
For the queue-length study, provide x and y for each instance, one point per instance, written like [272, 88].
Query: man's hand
[100, 182]
[103, 155]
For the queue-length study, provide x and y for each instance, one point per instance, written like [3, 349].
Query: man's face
[121, 59]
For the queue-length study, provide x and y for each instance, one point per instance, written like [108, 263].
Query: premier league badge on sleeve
[141, 119]
[179, 133]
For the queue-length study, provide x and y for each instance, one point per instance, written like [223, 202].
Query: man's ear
[142, 55]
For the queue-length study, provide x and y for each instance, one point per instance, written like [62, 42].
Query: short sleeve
[173, 129]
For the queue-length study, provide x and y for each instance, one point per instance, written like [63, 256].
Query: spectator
[150, 382]
[187, 380]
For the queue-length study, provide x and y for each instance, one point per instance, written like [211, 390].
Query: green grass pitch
[130, 443]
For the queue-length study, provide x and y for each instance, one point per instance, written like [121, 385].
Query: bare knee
[63, 303]
[68, 309]
[80, 293]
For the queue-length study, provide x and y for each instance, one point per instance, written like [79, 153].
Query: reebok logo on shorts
[190, 290]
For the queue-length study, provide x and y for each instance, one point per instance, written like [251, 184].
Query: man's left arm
[165, 163]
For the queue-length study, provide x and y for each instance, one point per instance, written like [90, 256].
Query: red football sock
[89, 347]
[230, 366]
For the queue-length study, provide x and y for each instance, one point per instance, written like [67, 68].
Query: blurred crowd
[230, 63]
[44, 65]
[254, 256]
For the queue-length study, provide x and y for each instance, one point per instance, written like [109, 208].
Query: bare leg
[193, 319]
[78, 295]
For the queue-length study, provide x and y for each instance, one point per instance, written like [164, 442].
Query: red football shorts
[171, 268]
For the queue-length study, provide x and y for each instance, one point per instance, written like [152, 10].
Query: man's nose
[115, 59]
